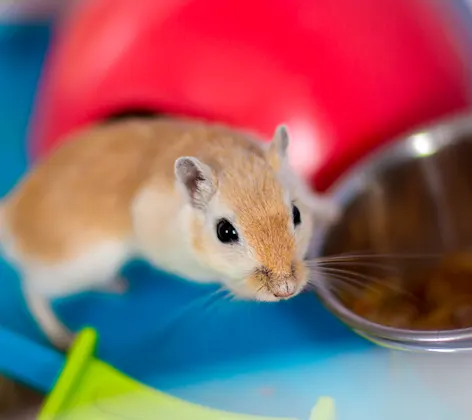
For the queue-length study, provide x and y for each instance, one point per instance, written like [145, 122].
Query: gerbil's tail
[41, 310]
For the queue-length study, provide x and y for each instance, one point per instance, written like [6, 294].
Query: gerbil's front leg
[118, 286]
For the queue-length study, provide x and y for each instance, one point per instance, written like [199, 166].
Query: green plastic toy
[90, 389]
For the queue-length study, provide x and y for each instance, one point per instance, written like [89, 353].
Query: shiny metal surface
[411, 197]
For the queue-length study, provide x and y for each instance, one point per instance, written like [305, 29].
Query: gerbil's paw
[118, 286]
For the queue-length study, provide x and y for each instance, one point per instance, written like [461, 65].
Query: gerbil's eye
[297, 218]
[226, 232]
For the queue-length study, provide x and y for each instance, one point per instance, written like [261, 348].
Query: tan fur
[272, 158]
[157, 189]
[262, 213]
[92, 179]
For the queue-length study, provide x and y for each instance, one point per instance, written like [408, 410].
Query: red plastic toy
[345, 75]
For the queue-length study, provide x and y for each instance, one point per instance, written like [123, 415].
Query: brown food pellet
[437, 298]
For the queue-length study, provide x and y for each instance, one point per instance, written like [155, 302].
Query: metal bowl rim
[443, 133]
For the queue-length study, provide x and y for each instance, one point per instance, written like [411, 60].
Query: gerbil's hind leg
[96, 268]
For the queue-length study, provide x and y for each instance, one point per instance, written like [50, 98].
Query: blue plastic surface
[31, 363]
[21, 55]
[268, 359]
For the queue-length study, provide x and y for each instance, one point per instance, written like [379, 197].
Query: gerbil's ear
[197, 179]
[278, 147]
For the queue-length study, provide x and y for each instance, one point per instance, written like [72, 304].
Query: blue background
[266, 359]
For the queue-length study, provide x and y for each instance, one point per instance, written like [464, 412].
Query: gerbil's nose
[284, 295]
[284, 289]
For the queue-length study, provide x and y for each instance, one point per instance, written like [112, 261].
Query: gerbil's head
[249, 218]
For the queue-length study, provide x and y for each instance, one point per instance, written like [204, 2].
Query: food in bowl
[436, 297]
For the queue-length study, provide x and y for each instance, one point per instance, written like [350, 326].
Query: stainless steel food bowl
[413, 197]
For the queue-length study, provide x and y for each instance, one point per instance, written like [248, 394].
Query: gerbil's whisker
[345, 280]
[220, 295]
[360, 276]
[259, 289]
[201, 306]
[337, 279]
[336, 286]
[336, 264]
[367, 256]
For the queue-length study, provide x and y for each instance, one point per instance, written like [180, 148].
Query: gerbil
[203, 201]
